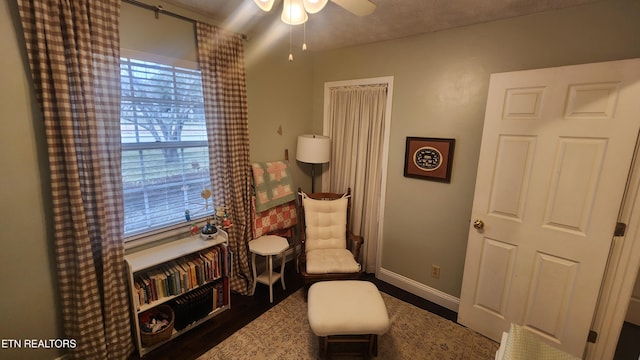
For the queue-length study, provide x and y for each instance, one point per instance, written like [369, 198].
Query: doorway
[357, 117]
[622, 270]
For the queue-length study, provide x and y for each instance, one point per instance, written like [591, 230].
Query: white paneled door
[556, 151]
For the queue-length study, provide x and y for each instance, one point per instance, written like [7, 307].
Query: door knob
[478, 224]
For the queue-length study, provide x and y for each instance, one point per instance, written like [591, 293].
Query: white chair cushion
[348, 307]
[326, 223]
[325, 261]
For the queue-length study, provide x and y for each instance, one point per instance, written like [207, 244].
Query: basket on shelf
[152, 317]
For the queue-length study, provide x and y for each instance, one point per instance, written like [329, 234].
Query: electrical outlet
[435, 271]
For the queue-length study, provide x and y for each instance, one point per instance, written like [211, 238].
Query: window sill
[148, 240]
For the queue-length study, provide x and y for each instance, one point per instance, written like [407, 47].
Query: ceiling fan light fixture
[314, 6]
[265, 5]
[293, 12]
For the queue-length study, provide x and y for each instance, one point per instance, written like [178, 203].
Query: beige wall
[279, 97]
[29, 307]
[167, 36]
[440, 89]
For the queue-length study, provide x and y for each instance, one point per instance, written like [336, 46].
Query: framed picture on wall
[429, 158]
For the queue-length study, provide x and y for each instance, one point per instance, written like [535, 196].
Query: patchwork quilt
[279, 220]
[273, 184]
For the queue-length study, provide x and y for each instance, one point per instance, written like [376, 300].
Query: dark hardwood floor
[244, 309]
[628, 343]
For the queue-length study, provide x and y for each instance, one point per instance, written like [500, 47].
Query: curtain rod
[158, 9]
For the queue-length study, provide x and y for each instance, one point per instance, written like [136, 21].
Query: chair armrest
[302, 256]
[357, 242]
[303, 241]
[302, 262]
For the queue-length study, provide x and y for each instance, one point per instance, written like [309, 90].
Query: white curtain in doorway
[356, 124]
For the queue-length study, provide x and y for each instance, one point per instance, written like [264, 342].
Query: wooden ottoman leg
[322, 346]
[375, 345]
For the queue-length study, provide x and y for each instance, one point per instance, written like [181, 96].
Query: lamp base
[313, 178]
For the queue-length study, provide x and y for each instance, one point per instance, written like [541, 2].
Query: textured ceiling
[335, 27]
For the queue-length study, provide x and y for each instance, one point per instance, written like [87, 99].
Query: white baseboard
[633, 312]
[426, 292]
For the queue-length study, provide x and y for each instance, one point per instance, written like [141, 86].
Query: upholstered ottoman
[347, 311]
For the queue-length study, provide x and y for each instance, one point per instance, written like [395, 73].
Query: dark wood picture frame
[429, 158]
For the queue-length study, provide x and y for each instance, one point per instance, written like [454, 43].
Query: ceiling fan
[294, 12]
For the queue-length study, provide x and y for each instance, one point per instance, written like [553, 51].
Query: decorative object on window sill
[209, 230]
[313, 149]
[205, 194]
[222, 217]
[295, 12]
[429, 158]
[194, 229]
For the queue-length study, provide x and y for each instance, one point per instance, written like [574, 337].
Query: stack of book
[198, 304]
[181, 275]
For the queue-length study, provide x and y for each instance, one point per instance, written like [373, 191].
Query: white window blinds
[165, 161]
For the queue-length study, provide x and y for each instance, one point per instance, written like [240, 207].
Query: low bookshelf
[190, 275]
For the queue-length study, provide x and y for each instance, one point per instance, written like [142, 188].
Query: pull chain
[290, 42]
[304, 37]
[290, 34]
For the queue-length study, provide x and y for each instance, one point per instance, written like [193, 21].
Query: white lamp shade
[314, 6]
[313, 149]
[265, 5]
[293, 12]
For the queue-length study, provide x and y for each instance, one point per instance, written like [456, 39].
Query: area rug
[283, 332]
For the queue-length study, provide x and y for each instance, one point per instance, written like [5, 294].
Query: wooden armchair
[330, 251]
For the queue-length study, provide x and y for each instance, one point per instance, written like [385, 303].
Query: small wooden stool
[347, 311]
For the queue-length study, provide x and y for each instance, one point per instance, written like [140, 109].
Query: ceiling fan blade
[357, 7]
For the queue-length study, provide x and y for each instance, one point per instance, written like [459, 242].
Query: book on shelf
[195, 305]
[181, 275]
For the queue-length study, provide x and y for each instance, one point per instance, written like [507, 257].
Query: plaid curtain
[221, 58]
[73, 50]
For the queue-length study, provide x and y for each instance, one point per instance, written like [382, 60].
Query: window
[165, 159]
